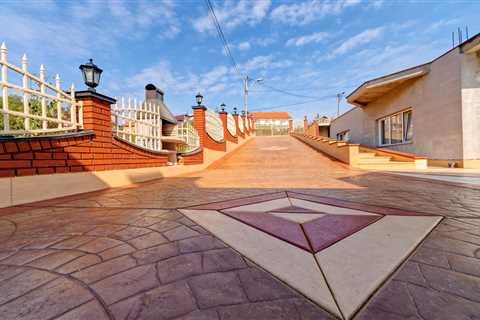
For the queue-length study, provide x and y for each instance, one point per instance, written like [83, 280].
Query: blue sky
[314, 49]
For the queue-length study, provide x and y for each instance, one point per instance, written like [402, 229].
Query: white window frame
[344, 134]
[388, 119]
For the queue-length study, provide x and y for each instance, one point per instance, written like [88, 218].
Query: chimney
[153, 94]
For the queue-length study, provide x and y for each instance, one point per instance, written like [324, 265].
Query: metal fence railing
[29, 105]
[189, 134]
[138, 123]
[231, 127]
[214, 125]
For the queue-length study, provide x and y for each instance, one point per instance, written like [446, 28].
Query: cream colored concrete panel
[262, 206]
[327, 208]
[42, 187]
[5, 192]
[298, 217]
[357, 265]
[289, 263]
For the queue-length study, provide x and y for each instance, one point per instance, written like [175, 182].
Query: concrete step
[366, 155]
[377, 159]
[391, 165]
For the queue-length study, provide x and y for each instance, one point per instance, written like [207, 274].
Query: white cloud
[441, 24]
[358, 40]
[233, 14]
[244, 46]
[303, 40]
[309, 11]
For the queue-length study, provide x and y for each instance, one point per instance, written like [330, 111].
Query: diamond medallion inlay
[334, 251]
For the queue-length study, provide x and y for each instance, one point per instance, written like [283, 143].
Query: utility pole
[339, 98]
[245, 93]
[246, 82]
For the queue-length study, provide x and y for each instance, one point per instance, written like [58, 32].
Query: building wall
[436, 103]
[471, 105]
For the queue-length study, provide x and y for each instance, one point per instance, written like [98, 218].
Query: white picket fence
[189, 134]
[214, 125]
[231, 127]
[26, 110]
[138, 123]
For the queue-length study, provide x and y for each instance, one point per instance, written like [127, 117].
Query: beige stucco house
[431, 110]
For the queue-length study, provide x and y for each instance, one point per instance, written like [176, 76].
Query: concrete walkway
[129, 253]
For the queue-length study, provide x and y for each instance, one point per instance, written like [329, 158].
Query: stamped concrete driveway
[129, 253]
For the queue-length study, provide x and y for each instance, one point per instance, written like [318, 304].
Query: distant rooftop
[270, 115]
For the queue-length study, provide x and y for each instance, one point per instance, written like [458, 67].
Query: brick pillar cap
[199, 107]
[223, 112]
[91, 94]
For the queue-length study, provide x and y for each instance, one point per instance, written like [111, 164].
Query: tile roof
[270, 115]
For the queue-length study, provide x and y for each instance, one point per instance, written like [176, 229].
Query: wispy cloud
[306, 12]
[232, 14]
[307, 39]
[359, 39]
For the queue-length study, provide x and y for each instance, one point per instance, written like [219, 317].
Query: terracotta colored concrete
[42, 244]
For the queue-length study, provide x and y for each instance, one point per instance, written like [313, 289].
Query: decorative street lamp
[222, 107]
[235, 110]
[243, 113]
[199, 98]
[91, 74]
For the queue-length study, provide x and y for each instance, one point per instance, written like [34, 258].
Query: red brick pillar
[223, 117]
[239, 133]
[245, 126]
[199, 122]
[97, 114]
[305, 125]
[290, 125]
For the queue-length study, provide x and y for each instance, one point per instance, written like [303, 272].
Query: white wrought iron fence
[29, 105]
[189, 134]
[231, 127]
[213, 125]
[240, 124]
[138, 123]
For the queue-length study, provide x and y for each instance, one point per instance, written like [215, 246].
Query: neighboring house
[431, 110]
[320, 126]
[272, 123]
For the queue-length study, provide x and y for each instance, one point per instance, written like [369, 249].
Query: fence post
[97, 115]
[223, 117]
[199, 122]
[245, 125]
[239, 132]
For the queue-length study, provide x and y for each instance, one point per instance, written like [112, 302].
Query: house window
[343, 136]
[396, 128]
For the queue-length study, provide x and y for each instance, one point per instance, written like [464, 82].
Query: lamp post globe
[91, 74]
[199, 98]
[235, 110]
[222, 107]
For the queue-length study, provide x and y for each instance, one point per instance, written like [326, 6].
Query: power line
[288, 92]
[295, 104]
[222, 37]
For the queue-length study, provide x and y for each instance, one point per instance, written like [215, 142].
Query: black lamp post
[243, 113]
[199, 98]
[222, 107]
[235, 110]
[91, 74]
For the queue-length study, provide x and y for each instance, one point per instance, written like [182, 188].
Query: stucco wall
[471, 105]
[436, 103]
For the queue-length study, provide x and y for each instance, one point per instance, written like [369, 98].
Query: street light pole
[339, 98]
[246, 82]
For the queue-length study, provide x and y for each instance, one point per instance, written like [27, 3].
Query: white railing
[189, 134]
[138, 123]
[240, 124]
[25, 110]
[213, 125]
[231, 126]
